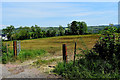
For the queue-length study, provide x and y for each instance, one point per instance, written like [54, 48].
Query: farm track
[27, 70]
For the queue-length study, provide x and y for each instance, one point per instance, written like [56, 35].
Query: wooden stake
[64, 53]
[15, 48]
[74, 53]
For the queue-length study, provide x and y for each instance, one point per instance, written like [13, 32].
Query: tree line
[33, 32]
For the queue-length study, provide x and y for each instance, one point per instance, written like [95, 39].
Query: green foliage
[40, 62]
[78, 27]
[51, 32]
[23, 55]
[103, 61]
[9, 31]
[34, 32]
[6, 56]
[118, 30]
[92, 67]
[29, 54]
[109, 30]
[61, 31]
[107, 45]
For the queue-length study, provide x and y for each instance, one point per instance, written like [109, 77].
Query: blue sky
[50, 14]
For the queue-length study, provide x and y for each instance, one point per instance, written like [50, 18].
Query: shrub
[100, 62]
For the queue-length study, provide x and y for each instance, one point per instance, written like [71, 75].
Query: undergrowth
[102, 61]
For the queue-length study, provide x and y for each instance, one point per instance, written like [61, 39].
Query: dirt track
[25, 70]
[16, 71]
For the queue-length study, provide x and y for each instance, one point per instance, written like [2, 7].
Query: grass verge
[23, 55]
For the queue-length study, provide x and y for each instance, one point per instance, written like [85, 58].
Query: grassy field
[54, 44]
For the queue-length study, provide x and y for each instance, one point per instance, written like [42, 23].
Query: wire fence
[18, 47]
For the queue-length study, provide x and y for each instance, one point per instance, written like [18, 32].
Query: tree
[53, 33]
[48, 34]
[82, 28]
[37, 32]
[9, 31]
[32, 28]
[74, 27]
[61, 31]
[44, 33]
[78, 27]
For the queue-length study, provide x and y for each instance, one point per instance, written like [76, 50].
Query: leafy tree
[37, 32]
[33, 29]
[24, 35]
[61, 31]
[48, 34]
[82, 28]
[78, 27]
[9, 31]
[53, 33]
[74, 27]
[44, 33]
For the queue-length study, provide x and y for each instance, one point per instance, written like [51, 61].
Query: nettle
[108, 45]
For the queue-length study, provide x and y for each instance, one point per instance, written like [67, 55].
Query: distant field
[54, 44]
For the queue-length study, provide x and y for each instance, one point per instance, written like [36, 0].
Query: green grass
[29, 54]
[23, 55]
[0, 59]
[40, 62]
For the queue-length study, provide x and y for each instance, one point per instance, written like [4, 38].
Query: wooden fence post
[15, 48]
[74, 52]
[64, 53]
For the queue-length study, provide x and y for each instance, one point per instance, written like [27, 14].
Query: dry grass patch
[54, 44]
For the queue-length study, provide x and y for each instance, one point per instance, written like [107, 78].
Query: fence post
[64, 53]
[74, 52]
[18, 47]
[15, 48]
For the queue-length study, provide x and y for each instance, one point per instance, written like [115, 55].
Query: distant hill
[96, 29]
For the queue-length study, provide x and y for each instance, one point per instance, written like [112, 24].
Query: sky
[53, 14]
[59, 0]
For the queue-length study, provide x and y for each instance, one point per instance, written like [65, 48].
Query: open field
[54, 44]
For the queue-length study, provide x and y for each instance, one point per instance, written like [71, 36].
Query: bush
[100, 62]
[6, 56]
